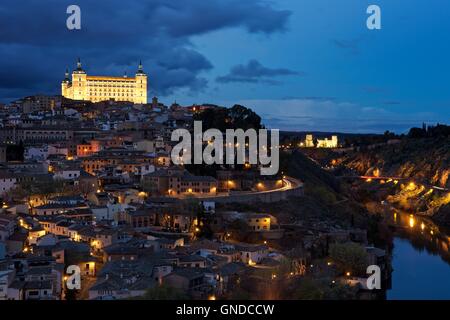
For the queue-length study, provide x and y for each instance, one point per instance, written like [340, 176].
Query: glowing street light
[412, 222]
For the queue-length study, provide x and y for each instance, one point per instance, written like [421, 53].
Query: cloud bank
[36, 47]
[254, 72]
[330, 115]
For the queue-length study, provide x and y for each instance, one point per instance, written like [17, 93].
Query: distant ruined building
[101, 88]
[321, 143]
[309, 141]
[327, 143]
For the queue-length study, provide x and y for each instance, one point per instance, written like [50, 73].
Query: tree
[416, 133]
[322, 193]
[286, 266]
[239, 229]
[45, 188]
[204, 221]
[341, 291]
[196, 212]
[164, 292]
[389, 135]
[244, 118]
[237, 117]
[308, 289]
[349, 257]
[213, 118]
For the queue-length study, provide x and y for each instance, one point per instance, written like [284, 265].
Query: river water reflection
[421, 259]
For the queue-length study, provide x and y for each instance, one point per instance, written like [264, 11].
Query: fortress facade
[101, 88]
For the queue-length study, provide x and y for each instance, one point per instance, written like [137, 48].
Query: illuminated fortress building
[101, 88]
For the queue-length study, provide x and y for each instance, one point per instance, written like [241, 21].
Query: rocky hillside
[423, 160]
[326, 198]
[426, 160]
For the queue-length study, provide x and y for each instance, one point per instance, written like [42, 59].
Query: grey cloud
[351, 45]
[254, 72]
[392, 102]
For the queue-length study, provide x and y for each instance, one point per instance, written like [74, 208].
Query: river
[420, 259]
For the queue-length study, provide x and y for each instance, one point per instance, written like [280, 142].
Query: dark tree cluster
[439, 130]
[237, 117]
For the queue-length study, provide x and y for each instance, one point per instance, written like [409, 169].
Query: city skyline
[239, 152]
[305, 66]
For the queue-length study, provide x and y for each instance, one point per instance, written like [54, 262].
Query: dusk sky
[302, 65]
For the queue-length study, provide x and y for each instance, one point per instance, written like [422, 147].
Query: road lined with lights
[371, 177]
[289, 183]
[393, 179]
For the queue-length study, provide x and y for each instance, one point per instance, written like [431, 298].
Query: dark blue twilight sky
[301, 64]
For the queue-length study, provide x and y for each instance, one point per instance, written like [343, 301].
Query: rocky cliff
[423, 162]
